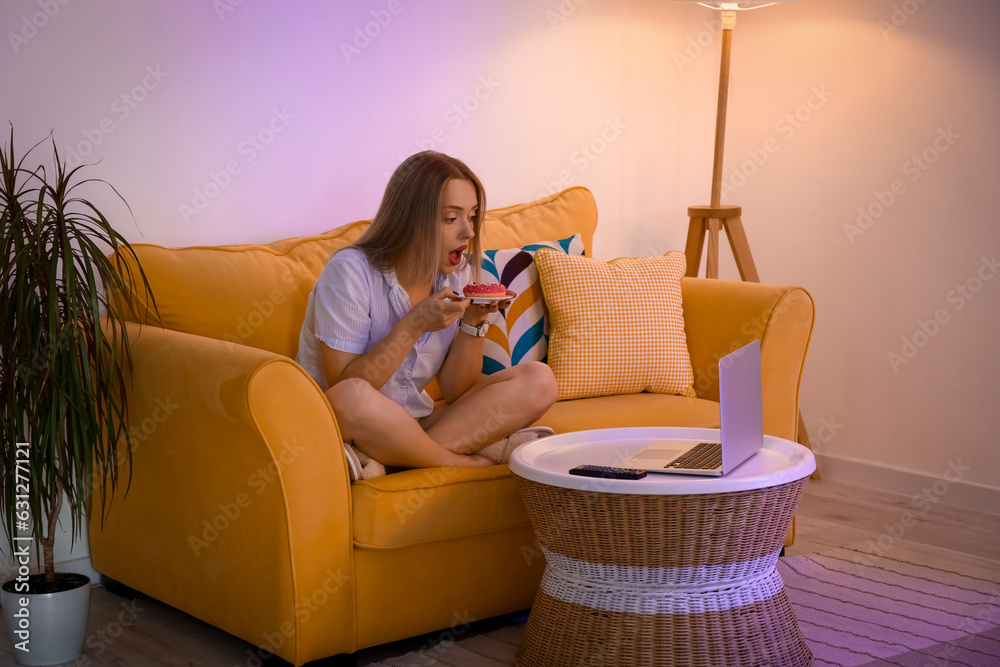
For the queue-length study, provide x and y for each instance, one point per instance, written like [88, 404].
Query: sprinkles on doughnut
[484, 291]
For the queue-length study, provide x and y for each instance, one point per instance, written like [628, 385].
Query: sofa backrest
[256, 294]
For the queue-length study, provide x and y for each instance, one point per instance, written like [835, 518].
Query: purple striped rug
[905, 608]
[858, 608]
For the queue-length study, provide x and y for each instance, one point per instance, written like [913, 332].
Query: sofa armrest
[238, 510]
[721, 316]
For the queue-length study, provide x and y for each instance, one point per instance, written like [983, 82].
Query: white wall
[831, 99]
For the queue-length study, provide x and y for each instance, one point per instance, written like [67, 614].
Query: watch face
[482, 329]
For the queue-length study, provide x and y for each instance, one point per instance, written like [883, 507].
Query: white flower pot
[47, 628]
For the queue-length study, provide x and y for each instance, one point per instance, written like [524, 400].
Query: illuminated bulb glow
[729, 10]
[732, 6]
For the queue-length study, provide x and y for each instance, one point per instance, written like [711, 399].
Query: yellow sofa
[240, 510]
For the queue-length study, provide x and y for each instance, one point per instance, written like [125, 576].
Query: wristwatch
[478, 331]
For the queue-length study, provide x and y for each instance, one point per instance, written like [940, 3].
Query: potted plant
[63, 400]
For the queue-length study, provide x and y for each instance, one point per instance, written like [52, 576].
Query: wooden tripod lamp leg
[741, 249]
[695, 242]
[712, 252]
[707, 220]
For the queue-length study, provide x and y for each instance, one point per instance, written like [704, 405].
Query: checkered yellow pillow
[617, 327]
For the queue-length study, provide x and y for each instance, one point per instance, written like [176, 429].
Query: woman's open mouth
[455, 256]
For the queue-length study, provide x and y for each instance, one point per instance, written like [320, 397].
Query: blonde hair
[405, 234]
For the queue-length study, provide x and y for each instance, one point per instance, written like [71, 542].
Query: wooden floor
[146, 632]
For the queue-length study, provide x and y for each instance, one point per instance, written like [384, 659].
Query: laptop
[742, 412]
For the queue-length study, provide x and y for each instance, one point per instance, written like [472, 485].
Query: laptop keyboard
[703, 456]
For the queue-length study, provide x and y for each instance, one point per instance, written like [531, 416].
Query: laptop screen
[742, 409]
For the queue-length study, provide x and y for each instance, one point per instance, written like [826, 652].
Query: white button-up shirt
[353, 307]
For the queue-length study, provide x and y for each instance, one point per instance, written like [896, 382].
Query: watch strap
[478, 332]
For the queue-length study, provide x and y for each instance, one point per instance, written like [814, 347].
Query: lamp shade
[730, 7]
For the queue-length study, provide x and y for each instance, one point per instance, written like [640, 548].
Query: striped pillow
[521, 333]
[617, 327]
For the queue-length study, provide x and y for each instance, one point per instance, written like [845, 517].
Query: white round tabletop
[548, 460]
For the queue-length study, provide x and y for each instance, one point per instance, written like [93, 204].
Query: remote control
[608, 472]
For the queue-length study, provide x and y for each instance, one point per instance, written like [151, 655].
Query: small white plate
[486, 299]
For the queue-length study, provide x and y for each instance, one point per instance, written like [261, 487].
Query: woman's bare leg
[493, 408]
[385, 431]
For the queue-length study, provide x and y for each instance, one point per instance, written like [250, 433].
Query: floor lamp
[708, 220]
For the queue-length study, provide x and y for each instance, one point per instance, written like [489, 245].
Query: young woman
[386, 316]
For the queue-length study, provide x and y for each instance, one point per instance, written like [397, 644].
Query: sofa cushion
[256, 294]
[617, 327]
[246, 294]
[557, 216]
[430, 504]
[521, 332]
[643, 409]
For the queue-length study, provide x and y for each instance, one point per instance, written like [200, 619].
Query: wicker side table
[673, 570]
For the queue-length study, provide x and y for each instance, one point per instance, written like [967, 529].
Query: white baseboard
[948, 487]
